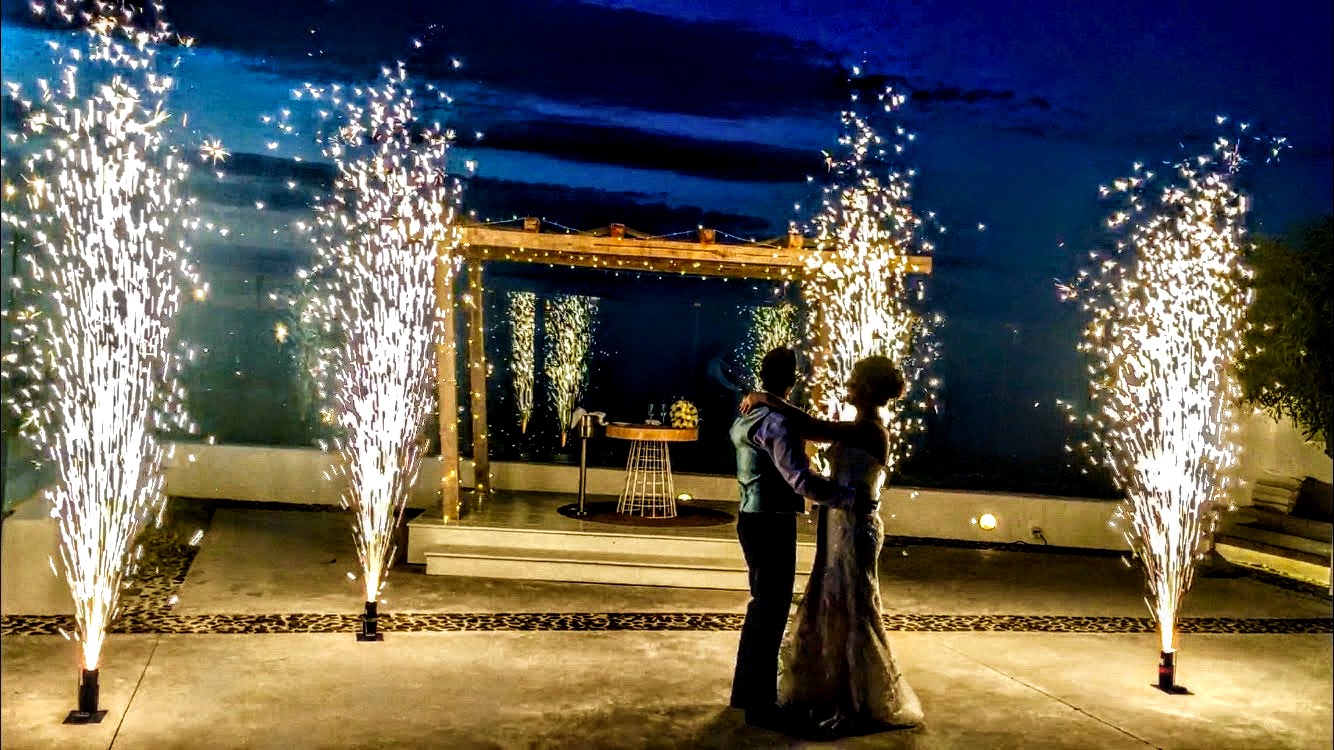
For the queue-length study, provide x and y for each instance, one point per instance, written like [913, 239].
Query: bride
[836, 667]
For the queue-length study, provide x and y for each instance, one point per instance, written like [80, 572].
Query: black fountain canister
[87, 712]
[369, 624]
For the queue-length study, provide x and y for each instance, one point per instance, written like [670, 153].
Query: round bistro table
[649, 491]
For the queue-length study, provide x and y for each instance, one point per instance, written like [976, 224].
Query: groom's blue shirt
[773, 472]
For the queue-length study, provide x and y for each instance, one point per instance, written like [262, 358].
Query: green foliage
[1287, 367]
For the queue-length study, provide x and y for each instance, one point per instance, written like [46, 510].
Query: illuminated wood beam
[639, 255]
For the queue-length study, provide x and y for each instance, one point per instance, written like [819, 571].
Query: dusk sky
[664, 114]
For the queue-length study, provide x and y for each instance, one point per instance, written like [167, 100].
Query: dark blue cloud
[562, 50]
[633, 147]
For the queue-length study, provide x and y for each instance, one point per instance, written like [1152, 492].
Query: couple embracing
[832, 673]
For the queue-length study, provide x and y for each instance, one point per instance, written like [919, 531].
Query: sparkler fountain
[523, 319]
[859, 288]
[379, 237]
[105, 210]
[569, 321]
[1166, 317]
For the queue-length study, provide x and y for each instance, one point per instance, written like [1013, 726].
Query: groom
[773, 474]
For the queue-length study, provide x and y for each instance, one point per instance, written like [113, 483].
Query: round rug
[604, 511]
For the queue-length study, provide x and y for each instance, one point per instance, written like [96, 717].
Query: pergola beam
[786, 261]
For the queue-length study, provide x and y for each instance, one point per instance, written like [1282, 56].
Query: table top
[654, 432]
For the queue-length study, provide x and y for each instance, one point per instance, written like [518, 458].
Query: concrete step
[1296, 565]
[1279, 539]
[432, 534]
[586, 566]
[1283, 523]
[585, 556]
[1274, 550]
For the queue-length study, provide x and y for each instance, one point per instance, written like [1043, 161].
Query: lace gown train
[835, 658]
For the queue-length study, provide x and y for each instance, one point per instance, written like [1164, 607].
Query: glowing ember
[859, 288]
[1166, 316]
[523, 322]
[378, 237]
[104, 213]
[569, 321]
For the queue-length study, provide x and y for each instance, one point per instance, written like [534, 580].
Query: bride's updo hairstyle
[881, 378]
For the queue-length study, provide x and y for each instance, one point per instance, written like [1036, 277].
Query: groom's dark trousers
[769, 543]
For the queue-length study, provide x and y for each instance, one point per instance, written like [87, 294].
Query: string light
[771, 326]
[523, 332]
[857, 283]
[569, 321]
[1166, 315]
[106, 217]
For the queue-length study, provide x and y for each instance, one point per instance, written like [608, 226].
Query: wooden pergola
[615, 248]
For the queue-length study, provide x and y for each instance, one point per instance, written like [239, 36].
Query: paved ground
[662, 681]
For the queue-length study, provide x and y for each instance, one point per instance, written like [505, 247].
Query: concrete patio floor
[642, 687]
[653, 690]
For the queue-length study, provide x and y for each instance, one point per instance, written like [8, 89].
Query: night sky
[664, 114]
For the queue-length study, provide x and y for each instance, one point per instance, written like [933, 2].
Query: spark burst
[389, 221]
[105, 212]
[569, 321]
[523, 322]
[1166, 317]
[858, 286]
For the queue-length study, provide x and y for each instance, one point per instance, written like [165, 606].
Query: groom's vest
[762, 488]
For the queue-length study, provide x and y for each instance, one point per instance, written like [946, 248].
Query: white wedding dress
[835, 659]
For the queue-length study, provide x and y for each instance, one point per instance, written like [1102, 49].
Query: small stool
[649, 490]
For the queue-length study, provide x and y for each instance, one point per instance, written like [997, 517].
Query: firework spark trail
[106, 214]
[523, 319]
[771, 326]
[858, 288]
[378, 240]
[1166, 318]
[569, 322]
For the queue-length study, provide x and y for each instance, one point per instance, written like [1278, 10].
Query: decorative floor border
[149, 622]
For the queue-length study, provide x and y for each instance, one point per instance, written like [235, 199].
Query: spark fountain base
[369, 624]
[1167, 674]
[87, 712]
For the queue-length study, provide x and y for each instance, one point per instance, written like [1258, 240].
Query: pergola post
[815, 392]
[447, 386]
[481, 460]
